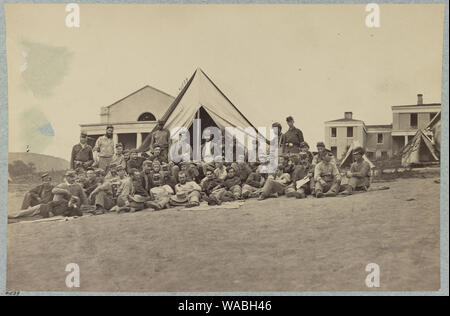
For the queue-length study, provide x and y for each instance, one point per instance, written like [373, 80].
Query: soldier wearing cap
[304, 148]
[135, 162]
[291, 140]
[39, 194]
[359, 174]
[158, 154]
[118, 158]
[82, 155]
[326, 176]
[104, 146]
[160, 137]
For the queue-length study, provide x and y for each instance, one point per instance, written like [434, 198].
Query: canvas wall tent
[348, 159]
[435, 127]
[201, 98]
[419, 150]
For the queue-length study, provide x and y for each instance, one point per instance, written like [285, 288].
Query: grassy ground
[274, 245]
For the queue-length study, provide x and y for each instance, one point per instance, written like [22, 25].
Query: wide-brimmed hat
[180, 197]
[138, 198]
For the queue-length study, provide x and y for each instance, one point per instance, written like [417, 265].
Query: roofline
[343, 120]
[380, 126]
[416, 105]
[146, 86]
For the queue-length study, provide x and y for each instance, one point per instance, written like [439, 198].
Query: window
[146, 117]
[380, 138]
[413, 120]
[334, 150]
[333, 132]
[349, 131]
[384, 155]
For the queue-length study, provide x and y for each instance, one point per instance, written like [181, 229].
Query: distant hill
[41, 162]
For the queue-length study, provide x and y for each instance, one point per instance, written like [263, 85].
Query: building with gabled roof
[133, 117]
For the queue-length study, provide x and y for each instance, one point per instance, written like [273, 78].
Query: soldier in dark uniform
[82, 155]
[291, 140]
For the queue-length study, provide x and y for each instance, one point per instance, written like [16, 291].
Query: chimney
[348, 115]
[420, 99]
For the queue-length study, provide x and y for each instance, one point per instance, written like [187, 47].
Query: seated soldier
[132, 194]
[190, 171]
[39, 195]
[242, 168]
[275, 184]
[214, 191]
[253, 185]
[147, 169]
[302, 171]
[304, 148]
[187, 192]
[126, 157]
[165, 175]
[138, 183]
[233, 183]
[359, 174]
[118, 158]
[316, 159]
[282, 162]
[160, 192]
[116, 181]
[221, 171]
[112, 171]
[135, 162]
[157, 154]
[91, 182]
[102, 196]
[67, 200]
[123, 191]
[326, 176]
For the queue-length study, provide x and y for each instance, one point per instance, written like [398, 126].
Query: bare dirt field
[275, 245]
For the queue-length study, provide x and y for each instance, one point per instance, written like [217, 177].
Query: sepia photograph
[237, 148]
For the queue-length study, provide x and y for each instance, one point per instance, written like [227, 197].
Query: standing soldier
[291, 140]
[160, 138]
[105, 148]
[82, 155]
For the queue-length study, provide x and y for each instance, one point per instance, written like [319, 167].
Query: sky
[313, 62]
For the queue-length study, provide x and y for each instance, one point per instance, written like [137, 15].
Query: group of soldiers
[115, 180]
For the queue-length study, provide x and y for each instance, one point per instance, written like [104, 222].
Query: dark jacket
[83, 155]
